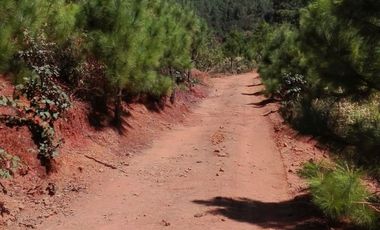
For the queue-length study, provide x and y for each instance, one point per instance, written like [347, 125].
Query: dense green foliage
[239, 25]
[337, 57]
[334, 49]
[58, 18]
[340, 40]
[323, 62]
[340, 193]
[225, 16]
[287, 11]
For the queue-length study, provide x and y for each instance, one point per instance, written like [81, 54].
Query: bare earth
[220, 170]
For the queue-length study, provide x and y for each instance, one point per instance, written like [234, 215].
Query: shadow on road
[296, 214]
[254, 85]
[259, 93]
[264, 102]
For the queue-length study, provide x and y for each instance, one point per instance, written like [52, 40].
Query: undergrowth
[339, 192]
[349, 125]
[39, 101]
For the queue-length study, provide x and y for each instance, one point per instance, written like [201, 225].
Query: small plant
[292, 86]
[9, 164]
[339, 192]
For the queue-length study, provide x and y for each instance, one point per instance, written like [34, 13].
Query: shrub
[352, 123]
[46, 100]
[340, 193]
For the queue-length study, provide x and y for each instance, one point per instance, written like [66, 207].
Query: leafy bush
[340, 193]
[46, 100]
[9, 164]
[292, 86]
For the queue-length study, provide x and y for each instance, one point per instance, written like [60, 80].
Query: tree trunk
[118, 109]
[173, 96]
[232, 64]
[189, 77]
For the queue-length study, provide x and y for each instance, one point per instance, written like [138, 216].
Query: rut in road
[220, 170]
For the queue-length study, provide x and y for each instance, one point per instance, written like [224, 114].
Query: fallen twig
[104, 163]
[101, 162]
[371, 205]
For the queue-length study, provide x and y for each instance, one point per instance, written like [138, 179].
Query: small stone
[166, 223]
[221, 170]
[51, 189]
[198, 162]
[222, 155]
[124, 163]
[198, 215]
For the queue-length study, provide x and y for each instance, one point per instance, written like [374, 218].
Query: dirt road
[220, 170]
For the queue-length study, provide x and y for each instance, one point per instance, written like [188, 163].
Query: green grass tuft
[339, 192]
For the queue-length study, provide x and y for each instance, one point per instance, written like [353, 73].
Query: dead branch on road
[104, 163]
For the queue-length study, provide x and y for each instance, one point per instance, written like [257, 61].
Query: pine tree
[280, 55]
[16, 17]
[341, 43]
[55, 18]
[139, 42]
